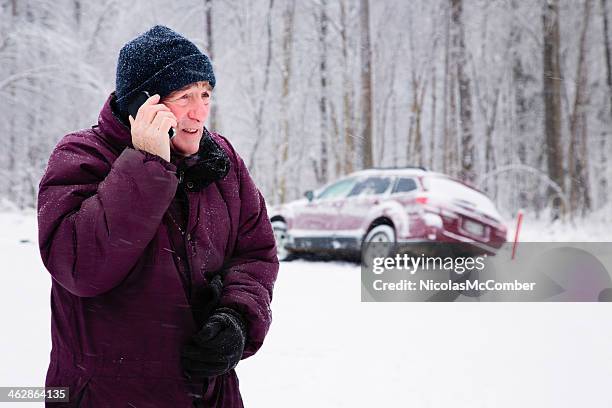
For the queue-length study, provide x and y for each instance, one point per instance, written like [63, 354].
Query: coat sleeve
[252, 269]
[95, 219]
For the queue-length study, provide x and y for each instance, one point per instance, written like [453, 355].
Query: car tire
[280, 236]
[379, 234]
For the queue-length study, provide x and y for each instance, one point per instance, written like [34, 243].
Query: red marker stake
[519, 221]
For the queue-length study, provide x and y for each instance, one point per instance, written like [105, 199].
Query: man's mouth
[190, 131]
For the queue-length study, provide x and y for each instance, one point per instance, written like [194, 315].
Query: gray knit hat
[159, 61]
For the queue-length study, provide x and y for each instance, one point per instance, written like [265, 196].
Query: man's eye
[184, 97]
[205, 95]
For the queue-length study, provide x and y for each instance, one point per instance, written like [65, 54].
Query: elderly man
[161, 252]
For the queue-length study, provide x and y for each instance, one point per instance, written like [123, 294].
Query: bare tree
[335, 84]
[434, 98]
[210, 49]
[449, 105]
[78, 12]
[366, 83]
[389, 95]
[465, 95]
[521, 81]
[288, 16]
[606, 38]
[578, 170]
[552, 98]
[418, 86]
[347, 94]
[321, 166]
[261, 101]
[603, 158]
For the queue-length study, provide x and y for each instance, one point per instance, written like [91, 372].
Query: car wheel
[383, 238]
[281, 238]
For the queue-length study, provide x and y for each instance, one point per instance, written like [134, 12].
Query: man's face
[191, 106]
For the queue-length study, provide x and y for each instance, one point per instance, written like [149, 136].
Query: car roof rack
[399, 168]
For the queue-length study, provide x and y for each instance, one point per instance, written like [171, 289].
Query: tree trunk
[210, 50]
[446, 137]
[347, 100]
[78, 13]
[606, 33]
[520, 101]
[12, 142]
[432, 138]
[288, 16]
[552, 99]
[337, 144]
[322, 174]
[452, 148]
[389, 96]
[578, 159]
[366, 83]
[490, 163]
[465, 97]
[394, 125]
[603, 162]
[259, 134]
[415, 136]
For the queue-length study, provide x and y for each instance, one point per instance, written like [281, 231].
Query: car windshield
[370, 186]
[460, 194]
[338, 189]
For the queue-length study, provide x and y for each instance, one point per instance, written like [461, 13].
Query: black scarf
[209, 164]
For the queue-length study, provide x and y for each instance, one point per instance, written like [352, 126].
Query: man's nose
[198, 110]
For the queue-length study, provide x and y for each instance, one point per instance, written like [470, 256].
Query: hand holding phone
[150, 127]
[137, 102]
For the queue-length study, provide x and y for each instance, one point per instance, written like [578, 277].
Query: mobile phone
[137, 102]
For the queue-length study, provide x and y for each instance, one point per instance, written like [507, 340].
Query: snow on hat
[159, 61]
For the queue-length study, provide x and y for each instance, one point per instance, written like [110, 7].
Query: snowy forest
[512, 96]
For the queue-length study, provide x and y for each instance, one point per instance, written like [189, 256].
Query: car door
[317, 217]
[365, 194]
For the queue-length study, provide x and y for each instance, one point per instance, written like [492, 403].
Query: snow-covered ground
[327, 349]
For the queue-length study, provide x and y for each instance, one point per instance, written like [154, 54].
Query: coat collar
[209, 164]
[197, 171]
[113, 128]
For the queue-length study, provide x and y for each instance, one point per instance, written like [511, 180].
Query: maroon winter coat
[123, 300]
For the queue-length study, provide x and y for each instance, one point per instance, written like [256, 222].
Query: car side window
[337, 190]
[404, 185]
[370, 186]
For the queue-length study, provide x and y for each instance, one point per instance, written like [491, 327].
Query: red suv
[387, 205]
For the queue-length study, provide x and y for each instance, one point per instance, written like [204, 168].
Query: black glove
[217, 348]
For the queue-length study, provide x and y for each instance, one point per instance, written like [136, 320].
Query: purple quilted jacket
[123, 300]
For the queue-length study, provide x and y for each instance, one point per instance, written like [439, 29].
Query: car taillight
[421, 200]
